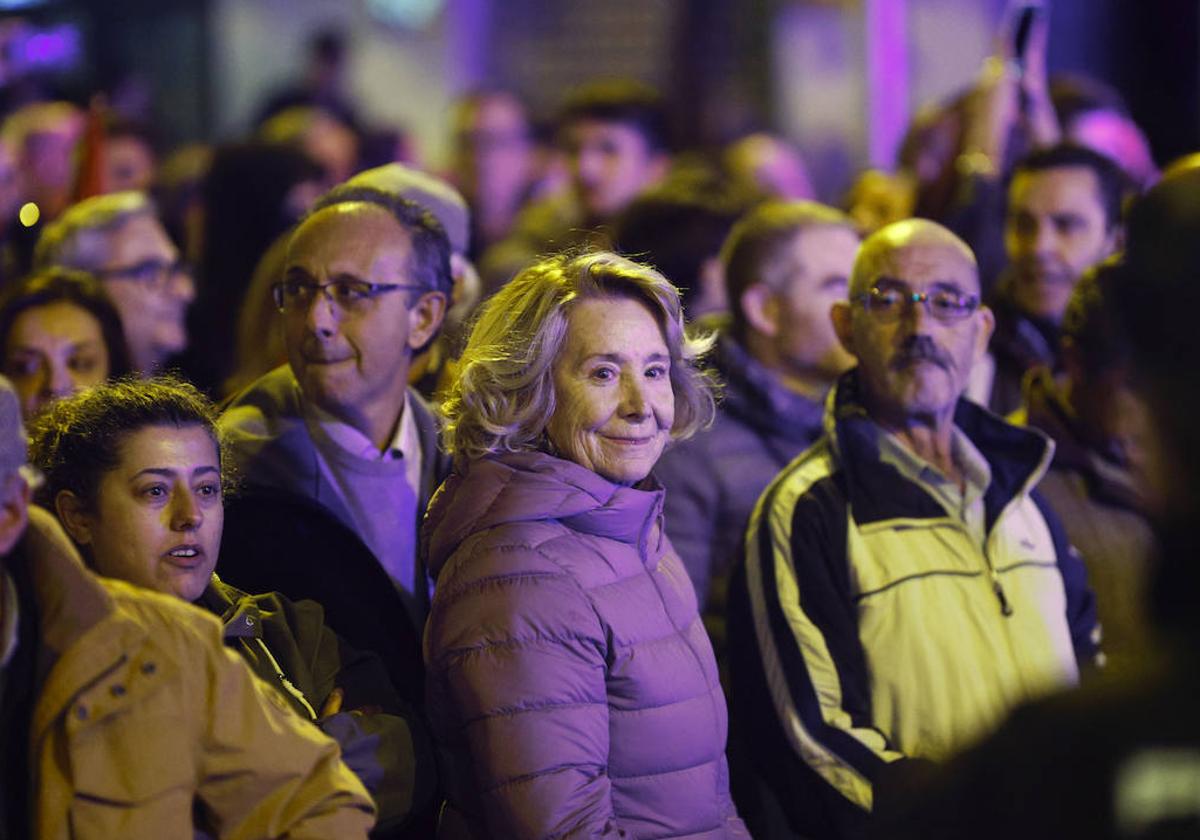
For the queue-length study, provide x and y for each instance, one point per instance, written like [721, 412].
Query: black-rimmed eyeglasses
[346, 295]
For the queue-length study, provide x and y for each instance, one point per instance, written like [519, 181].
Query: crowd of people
[598, 486]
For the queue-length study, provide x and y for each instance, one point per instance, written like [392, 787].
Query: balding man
[903, 586]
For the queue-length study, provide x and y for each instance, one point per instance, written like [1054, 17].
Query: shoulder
[264, 407]
[810, 475]
[166, 617]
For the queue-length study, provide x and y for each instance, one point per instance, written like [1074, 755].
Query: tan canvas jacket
[147, 726]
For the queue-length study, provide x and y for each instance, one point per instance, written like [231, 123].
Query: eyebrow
[617, 357]
[164, 472]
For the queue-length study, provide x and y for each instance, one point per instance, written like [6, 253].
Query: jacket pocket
[132, 768]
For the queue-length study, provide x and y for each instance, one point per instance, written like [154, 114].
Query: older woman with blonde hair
[571, 685]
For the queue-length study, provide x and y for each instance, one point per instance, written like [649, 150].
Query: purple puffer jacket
[571, 685]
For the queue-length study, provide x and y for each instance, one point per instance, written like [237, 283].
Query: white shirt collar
[404, 442]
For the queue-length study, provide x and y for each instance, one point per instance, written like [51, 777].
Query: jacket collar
[239, 613]
[271, 442]
[1018, 458]
[526, 487]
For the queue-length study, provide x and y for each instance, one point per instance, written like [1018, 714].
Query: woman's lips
[185, 556]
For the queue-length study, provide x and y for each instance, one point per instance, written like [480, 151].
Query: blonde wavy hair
[502, 395]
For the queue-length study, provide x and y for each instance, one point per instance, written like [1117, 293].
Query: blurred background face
[821, 259]
[149, 292]
[1055, 230]
[614, 403]
[771, 166]
[495, 153]
[916, 365]
[158, 516]
[128, 164]
[611, 163]
[53, 351]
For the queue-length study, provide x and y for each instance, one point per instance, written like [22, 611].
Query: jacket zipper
[997, 587]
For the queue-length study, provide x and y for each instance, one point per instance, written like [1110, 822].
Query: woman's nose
[185, 512]
[633, 398]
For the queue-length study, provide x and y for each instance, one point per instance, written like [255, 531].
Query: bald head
[877, 250]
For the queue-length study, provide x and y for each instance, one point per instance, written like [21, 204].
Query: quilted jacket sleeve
[517, 659]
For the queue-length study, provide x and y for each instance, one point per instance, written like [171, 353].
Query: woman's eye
[656, 372]
[22, 366]
[83, 364]
[209, 490]
[154, 491]
[604, 374]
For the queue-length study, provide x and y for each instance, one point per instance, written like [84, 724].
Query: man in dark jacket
[785, 264]
[338, 455]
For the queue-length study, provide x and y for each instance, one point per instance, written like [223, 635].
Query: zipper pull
[1005, 607]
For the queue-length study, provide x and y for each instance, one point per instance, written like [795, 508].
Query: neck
[377, 422]
[927, 436]
[806, 382]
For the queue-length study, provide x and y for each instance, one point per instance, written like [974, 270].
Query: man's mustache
[921, 348]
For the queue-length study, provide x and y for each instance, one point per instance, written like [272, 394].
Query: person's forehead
[58, 318]
[139, 237]
[592, 130]
[350, 237]
[925, 264]
[1061, 186]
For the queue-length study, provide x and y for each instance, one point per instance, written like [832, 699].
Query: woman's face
[52, 352]
[158, 515]
[612, 386]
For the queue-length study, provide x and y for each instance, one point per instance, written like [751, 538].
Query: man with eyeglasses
[119, 239]
[337, 453]
[903, 586]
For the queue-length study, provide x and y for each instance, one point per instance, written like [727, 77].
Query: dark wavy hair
[77, 440]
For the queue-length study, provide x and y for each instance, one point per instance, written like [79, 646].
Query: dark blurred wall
[1149, 50]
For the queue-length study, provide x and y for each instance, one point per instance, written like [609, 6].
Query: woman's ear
[75, 519]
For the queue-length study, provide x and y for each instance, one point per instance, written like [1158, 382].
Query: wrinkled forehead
[921, 265]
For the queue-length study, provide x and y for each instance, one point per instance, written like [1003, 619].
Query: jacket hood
[536, 487]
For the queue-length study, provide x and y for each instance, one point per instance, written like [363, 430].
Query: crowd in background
[596, 485]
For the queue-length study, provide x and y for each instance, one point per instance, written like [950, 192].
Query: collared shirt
[964, 504]
[405, 443]
[380, 491]
[8, 618]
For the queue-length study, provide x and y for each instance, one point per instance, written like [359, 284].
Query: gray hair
[79, 237]
[502, 396]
